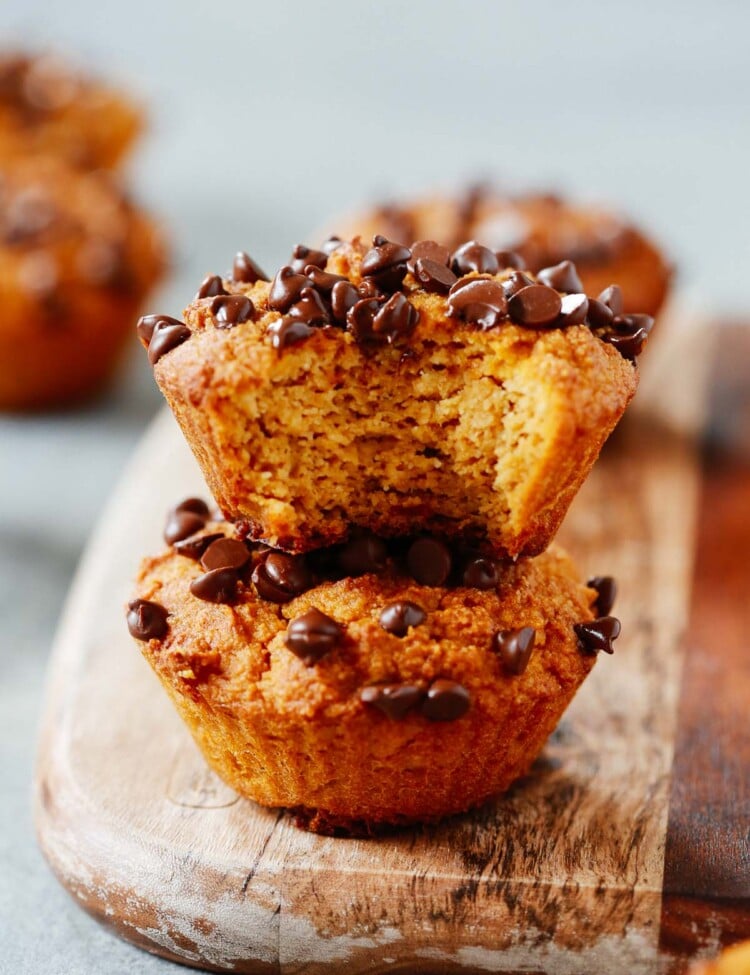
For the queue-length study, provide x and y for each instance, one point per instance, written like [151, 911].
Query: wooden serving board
[624, 851]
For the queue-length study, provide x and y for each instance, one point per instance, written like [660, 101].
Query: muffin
[47, 107]
[542, 229]
[77, 259]
[732, 961]
[356, 685]
[397, 390]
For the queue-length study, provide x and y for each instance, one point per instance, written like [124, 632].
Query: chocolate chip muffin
[76, 262]
[397, 389]
[47, 107]
[372, 683]
[542, 229]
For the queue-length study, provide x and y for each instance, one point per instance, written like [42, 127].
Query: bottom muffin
[368, 685]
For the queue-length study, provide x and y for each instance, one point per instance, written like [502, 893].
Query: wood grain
[563, 875]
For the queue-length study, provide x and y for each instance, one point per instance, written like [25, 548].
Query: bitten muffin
[370, 684]
[397, 389]
[76, 262]
[732, 961]
[543, 229]
[47, 107]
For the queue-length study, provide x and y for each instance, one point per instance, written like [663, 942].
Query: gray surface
[266, 123]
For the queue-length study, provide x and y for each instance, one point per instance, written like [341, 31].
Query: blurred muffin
[732, 961]
[352, 686]
[76, 261]
[542, 229]
[47, 107]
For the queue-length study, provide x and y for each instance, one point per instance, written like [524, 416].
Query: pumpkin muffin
[397, 390]
[375, 683]
[77, 259]
[542, 229]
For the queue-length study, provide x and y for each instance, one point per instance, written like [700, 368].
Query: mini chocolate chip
[445, 701]
[280, 577]
[367, 288]
[573, 310]
[429, 561]
[194, 546]
[288, 331]
[514, 648]
[385, 262]
[226, 553]
[286, 288]
[363, 554]
[147, 620]
[472, 256]
[322, 281]
[302, 256]
[598, 634]
[480, 573]
[612, 298]
[310, 308]
[395, 319]
[599, 315]
[165, 338]
[629, 334]
[211, 286]
[360, 316]
[216, 586]
[510, 259]
[434, 277]
[197, 505]
[535, 306]
[343, 297]
[480, 301]
[394, 700]
[148, 323]
[231, 310]
[312, 635]
[397, 618]
[182, 524]
[561, 277]
[514, 282]
[606, 590]
[245, 270]
[428, 250]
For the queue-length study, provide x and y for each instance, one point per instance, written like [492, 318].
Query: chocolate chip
[510, 259]
[514, 648]
[330, 245]
[515, 282]
[561, 277]
[429, 561]
[229, 310]
[312, 635]
[286, 288]
[302, 256]
[211, 286]
[310, 308]
[474, 257]
[182, 524]
[535, 306]
[428, 250]
[480, 301]
[288, 331]
[165, 338]
[147, 620]
[629, 334]
[363, 554]
[216, 586]
[245, 270]
[397, 618]
[360, 316]
[226, 553]
[343, 297]
[385, 262]
[480, 573]
[612, 298]
[573, 310]
[446, 701]
[606, 590]
[148, 323]
[197, 505]
[395, 319]
[367, 288]
[434, 277]
[323, 281]
[394, 700]
[598, 634]
[280, 577]
[599, 315]
[194, 546]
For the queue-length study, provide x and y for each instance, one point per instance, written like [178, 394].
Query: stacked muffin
[77, 257]
[374, 630]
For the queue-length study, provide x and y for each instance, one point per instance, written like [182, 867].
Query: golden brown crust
[544, 229]
[481, 435]
[76, 261]
[287, 734]
[47, 108]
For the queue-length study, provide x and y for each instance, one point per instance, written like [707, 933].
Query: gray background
[266, 119]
